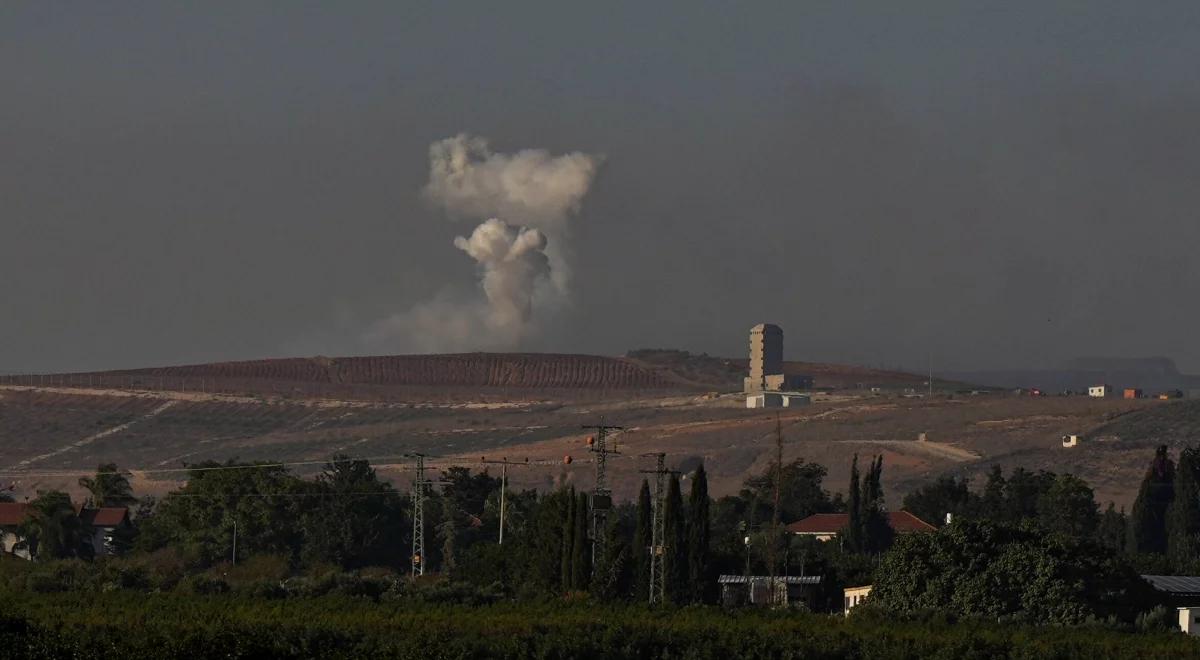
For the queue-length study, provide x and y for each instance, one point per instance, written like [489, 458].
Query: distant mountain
[1152, 374]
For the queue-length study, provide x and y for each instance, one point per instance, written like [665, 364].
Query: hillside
[456, 408]
[387, 378]
[463, 377]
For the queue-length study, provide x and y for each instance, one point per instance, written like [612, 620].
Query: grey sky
[1005, 184]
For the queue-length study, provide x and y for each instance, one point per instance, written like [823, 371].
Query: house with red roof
[103, 526]
[11, 516]
[825, 526]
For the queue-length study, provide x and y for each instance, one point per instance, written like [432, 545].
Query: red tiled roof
[12, 513]
[109, 516]
[832, 523]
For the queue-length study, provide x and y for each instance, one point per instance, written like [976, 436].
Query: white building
[1189, 620]
[1100, 391]
[853, 596]
[777, 400]
[1070, 440]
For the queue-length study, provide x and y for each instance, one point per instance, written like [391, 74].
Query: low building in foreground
[12, 514]
[852, 596]
[102, 529]
[790, 590]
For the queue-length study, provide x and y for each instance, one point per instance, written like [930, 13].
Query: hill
[457, 408]
[465, 376]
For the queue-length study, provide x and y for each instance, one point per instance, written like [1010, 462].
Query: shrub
[201, 585]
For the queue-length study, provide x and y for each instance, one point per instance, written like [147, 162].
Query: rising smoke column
[525, 201]
[512, 261]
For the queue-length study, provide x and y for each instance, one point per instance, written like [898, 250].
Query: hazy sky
[1004, 184]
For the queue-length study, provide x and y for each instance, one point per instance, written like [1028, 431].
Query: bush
[201, 585]
[232, 625]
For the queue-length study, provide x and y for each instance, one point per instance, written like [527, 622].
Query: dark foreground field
[137, 625]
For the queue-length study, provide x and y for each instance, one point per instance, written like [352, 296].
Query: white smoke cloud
[531, 186]
[527, 200]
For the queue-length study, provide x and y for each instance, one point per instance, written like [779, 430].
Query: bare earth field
[533, 407]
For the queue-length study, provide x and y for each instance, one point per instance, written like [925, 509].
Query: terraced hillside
[395, 377]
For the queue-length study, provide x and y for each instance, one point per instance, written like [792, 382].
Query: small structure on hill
[1070, 440]
[790, 590]
[777, 400]
[1100, 391]
[825, 526]
[1133, 393]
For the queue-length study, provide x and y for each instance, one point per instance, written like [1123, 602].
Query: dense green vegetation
[322, 568]
[410, 624]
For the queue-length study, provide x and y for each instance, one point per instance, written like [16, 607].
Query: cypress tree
[568, 541]
[1111, 531]
[1147, 524]
[991, 505]
[877, 532]
[1183, 515]
[698, 531]
[545, 543]
[642, 536]
[581, 563]
[853, 532]
[675, 554]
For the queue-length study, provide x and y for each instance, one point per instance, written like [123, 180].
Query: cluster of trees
[348, 517]
[1032, 544]
[996, 571]
[1160, 534]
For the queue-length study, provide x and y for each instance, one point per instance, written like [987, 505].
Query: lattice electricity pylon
[418, 489]
[658, 528]
[601, 495]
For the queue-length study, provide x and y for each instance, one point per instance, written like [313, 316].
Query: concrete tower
[766, 356]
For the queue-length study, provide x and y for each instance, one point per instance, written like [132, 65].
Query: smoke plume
[526, 200]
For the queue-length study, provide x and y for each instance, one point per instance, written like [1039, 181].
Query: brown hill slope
[393, 377]
[465, 376]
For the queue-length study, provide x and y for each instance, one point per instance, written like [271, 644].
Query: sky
[983, 185]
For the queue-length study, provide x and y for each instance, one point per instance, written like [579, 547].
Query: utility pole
[772, 550]
[601, 495]
[658, 549]
[235, 541]
[503, 463]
